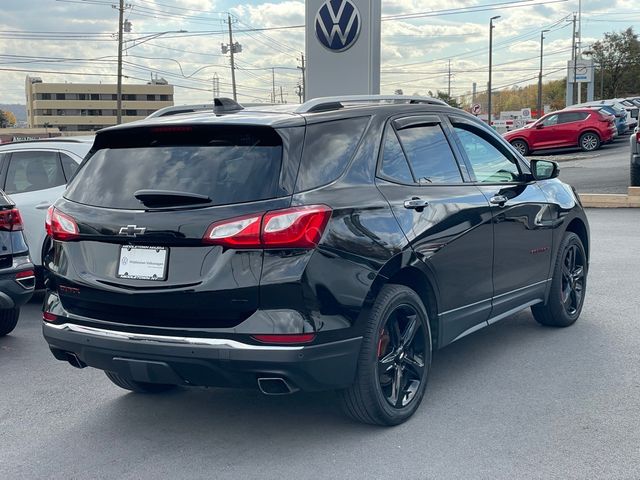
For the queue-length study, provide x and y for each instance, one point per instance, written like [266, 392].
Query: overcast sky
[73, 40]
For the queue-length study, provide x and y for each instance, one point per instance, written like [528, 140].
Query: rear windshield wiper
[169, 198]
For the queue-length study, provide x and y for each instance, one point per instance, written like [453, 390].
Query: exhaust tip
[275, 386]
[73, 359]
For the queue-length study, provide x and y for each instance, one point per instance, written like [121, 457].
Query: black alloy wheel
[568, 285]
[573, 279]
[401, 356]
[394, 362]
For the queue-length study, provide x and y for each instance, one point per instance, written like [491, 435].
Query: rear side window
[394, 163]
[228, 165]
[32, 171]
[430, 154]
[328, 148]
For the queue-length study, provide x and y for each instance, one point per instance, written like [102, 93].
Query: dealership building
[86, 107]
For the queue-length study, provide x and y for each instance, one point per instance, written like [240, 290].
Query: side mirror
[539, 126]
[544, 169]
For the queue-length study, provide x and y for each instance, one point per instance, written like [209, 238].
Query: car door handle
[416, 204]
[43, 205]
[499, 200]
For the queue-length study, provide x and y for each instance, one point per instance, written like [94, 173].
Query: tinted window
[429, 154]
[394, 163]
[229, 166]
[30, 171]
[328, 148]
[69, 166]
[572, 117]
[490, 163]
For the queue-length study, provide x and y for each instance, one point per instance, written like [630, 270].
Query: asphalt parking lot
[604, 171]
[515, 400]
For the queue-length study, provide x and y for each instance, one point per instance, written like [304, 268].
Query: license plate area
[139, 262]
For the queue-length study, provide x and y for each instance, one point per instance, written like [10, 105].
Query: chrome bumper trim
[142, 337]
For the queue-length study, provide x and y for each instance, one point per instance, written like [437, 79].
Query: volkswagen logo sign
[337, 25]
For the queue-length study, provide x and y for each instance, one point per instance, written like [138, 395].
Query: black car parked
[332, 245]
[17, 277]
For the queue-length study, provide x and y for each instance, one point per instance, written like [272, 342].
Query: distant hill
[20, 111]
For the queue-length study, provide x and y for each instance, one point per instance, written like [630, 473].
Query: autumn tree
[617, 61]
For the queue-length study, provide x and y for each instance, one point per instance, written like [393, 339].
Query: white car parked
[35, 174]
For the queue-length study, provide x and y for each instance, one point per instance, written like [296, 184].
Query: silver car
[34, 174]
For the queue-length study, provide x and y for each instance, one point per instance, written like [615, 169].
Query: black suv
[329, 245]
[17, 277]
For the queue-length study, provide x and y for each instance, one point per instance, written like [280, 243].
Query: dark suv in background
[17, 276]
[330, 245]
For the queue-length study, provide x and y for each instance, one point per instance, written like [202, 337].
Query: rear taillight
[239, 232]
[286, 338]
[10, 220]
[49, 317]
[297, 227]
[60, 226]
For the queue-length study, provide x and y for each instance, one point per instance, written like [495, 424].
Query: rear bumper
[205, 361]
[12, 293]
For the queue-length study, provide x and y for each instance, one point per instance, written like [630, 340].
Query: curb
[608, 200]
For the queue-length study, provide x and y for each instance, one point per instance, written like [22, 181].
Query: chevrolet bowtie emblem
[132, 230]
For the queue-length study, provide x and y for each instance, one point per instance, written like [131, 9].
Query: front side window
[489, 162]
[550, 121]
[31, 171]
[430, 154]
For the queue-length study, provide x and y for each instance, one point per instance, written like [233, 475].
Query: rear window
[228, 165]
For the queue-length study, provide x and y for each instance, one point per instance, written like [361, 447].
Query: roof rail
[323, 104]
[219, 105]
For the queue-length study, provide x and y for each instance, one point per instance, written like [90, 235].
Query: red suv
[584, 127]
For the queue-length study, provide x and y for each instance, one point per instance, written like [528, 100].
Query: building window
[164, 98]
[95, 96]
[151, 98]
[131, 113]
[44, 96]
[60, 96]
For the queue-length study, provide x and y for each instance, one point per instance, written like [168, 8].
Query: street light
[491, 27]
[540, 74]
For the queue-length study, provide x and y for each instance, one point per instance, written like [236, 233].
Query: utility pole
[579, 46]
[575, 60]
[491, 27]
[449, 87]
[119, 87]
[273, 85]
[281, 98]
[299, 92]
[540, 74]
[303, 93]
[233, 67]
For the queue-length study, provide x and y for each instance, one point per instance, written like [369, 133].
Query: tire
[138, 387]
[8, 320]
[568, 285]
[396, 312]
[589, 142]
[521, 146]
